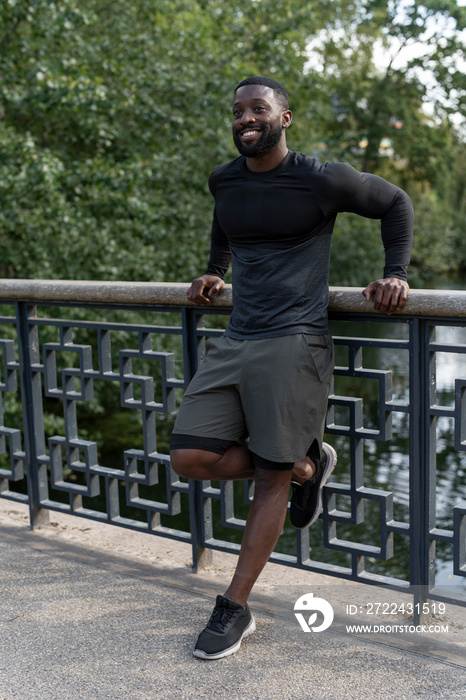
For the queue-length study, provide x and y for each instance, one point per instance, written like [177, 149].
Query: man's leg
[263, 527]
[268, 510]
[203, 465]
[235, 463]
[231, 619]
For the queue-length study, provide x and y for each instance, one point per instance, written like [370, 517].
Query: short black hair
[279, 91]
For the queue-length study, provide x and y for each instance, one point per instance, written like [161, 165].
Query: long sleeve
[397, 236]
[220, 255]
[346, 189]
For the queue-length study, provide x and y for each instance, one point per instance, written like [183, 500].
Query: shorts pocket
[320, 348]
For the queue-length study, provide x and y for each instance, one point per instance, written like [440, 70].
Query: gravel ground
[87, 612]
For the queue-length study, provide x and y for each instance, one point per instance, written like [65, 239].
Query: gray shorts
[273, 391]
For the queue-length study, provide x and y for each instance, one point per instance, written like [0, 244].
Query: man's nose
[248, 116]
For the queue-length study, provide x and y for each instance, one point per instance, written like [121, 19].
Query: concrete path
[88, 611]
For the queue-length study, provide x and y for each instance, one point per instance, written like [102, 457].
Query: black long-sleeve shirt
[276, 227]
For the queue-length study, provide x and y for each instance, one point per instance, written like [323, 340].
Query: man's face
[258, 120]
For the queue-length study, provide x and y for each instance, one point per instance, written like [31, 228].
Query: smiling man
[263, 136]
[256, 407]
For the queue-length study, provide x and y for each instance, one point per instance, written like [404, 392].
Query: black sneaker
[306, 499]
[227, 626]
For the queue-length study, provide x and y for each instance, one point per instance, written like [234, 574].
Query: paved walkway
[89, 611]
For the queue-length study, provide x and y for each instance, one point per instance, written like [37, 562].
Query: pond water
[386, 465]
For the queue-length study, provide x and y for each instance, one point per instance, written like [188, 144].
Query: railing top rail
[421, 302]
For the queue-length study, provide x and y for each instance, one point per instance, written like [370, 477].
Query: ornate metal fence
[90, 377]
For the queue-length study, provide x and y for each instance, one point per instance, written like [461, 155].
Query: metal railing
[90, 377]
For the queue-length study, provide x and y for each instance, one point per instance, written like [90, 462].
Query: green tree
[113, 114]
[396, 108]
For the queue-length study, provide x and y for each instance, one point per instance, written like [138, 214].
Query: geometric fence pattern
[398, 425]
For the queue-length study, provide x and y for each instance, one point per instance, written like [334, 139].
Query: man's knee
[270, 477]
[271, 481]
[181, 462]
[187, 463]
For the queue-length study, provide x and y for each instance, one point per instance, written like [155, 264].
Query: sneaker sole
[330, 466]
[231, 650]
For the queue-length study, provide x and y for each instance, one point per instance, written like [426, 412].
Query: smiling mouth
[249, 133]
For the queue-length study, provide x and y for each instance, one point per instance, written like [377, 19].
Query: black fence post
[422, 461]
[31, 395]
[193, 347]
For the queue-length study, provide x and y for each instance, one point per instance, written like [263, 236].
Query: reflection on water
[451, 464]
[386, 463]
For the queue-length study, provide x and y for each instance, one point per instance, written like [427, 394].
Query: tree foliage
[113, 114]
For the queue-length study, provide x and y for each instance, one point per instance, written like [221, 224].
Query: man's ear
[287, 118]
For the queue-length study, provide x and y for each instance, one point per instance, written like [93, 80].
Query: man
[256, 407]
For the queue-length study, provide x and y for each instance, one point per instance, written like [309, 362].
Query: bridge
[392, 517]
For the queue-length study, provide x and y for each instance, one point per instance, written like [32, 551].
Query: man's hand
[390, 294]
[204, 287]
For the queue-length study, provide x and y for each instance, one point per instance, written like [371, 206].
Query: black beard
[264, 144]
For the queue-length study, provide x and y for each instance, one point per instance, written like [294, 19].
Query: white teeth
[249, 133]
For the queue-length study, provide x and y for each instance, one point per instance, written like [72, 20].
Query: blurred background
[113, 114]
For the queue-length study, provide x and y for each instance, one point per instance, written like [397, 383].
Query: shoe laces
[221, 617]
